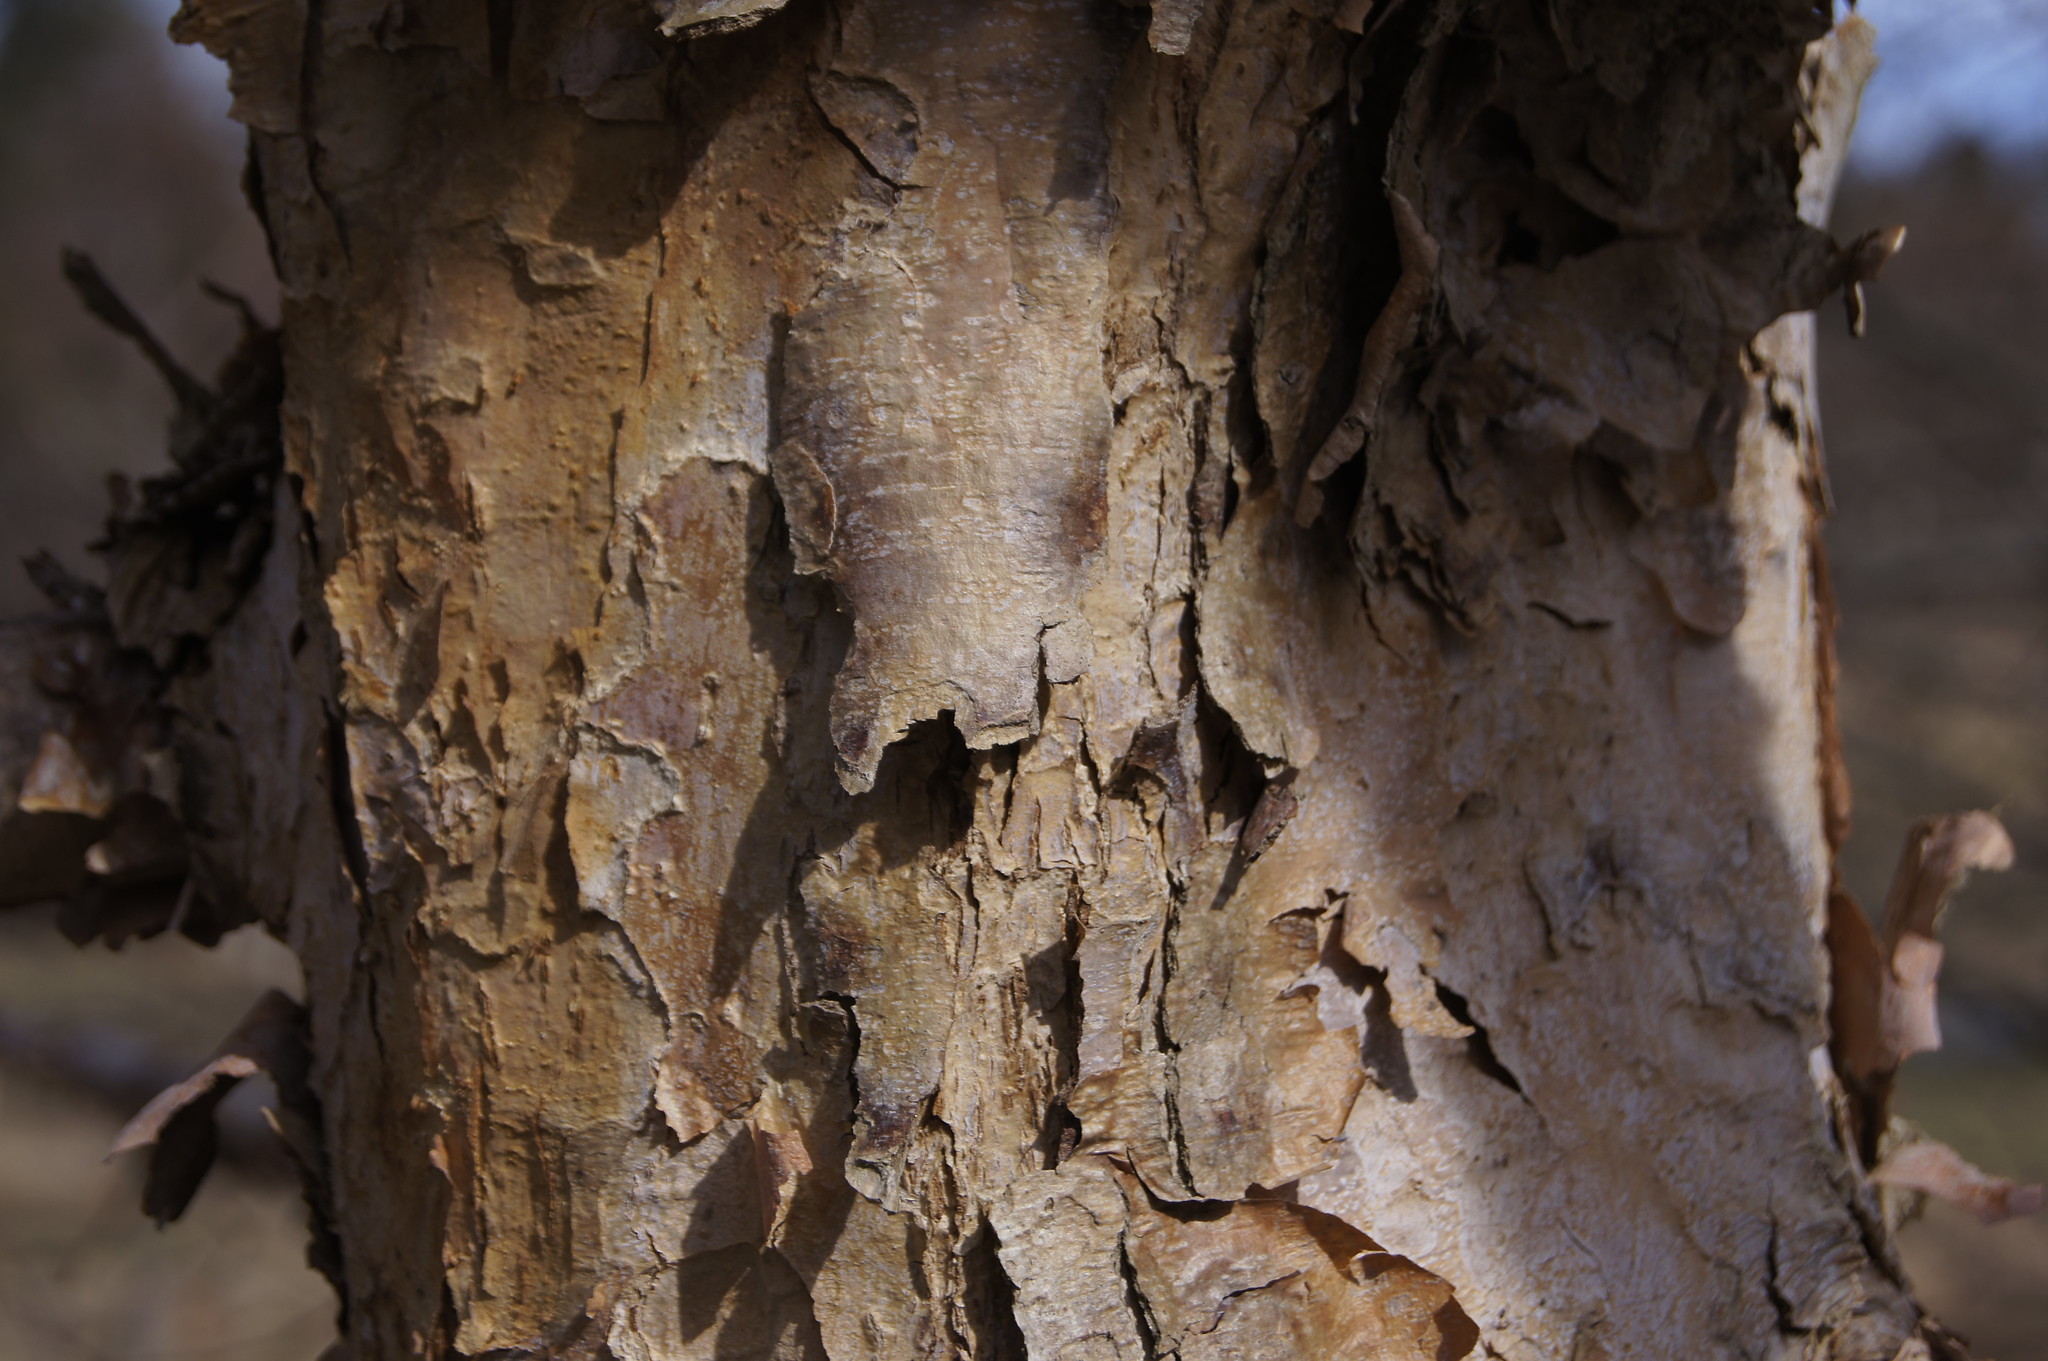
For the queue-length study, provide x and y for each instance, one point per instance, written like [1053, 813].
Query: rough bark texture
[991, 677]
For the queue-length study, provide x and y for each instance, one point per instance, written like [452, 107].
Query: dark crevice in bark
[254, 195]
[1212, 491]
[446, 1322]
[1477, 1045]
[1233, 776]
[309, 120]
[1162, 1037]
[342, 802]
[1347, 197]
[499, 17]
[918, 1243]
[847, 1003]
[990, 1299]
[1773, 1265]
[1053, 990]
[1135, 1301]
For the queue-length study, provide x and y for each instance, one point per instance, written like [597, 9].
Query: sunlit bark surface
[1000, 677]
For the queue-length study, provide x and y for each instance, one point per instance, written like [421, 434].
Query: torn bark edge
[178, 1125]
[1392, 331]
[1932, 1167]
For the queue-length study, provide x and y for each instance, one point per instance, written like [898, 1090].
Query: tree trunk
[1012, 677]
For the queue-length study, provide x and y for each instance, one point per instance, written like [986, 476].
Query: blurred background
[117, 142]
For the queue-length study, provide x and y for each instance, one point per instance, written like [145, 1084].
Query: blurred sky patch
[1953, 70]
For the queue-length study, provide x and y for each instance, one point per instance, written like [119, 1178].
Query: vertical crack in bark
[1135, 1301]
[312, 53]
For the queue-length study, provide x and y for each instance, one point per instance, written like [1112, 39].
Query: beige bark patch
[944, 384]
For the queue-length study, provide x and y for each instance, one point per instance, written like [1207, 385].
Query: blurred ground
[1938, 441]
[83, 1276]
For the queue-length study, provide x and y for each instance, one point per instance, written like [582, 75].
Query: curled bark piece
[178, 1125]
[119, 1069]
[1861, 261]
[99, 722]
[1313, 1284]
[1939, 855]
[1931, 1166]
[260, 41]
[1883, 1008]
[1391, 332]
[1910, 1024]
[87, 784]
[1832, 80]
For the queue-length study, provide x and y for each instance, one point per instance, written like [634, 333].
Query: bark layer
[980, 680]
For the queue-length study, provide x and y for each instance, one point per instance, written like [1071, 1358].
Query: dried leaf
[1934, 1167]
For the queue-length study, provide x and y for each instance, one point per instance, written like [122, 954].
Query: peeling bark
[997, 679]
